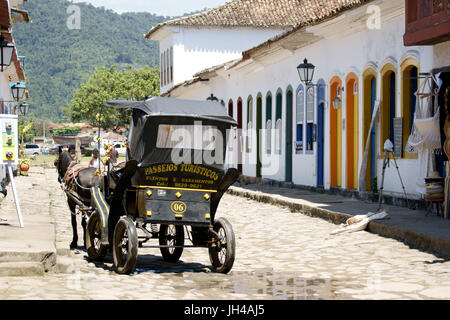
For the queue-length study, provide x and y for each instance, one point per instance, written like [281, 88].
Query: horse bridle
[58, 163]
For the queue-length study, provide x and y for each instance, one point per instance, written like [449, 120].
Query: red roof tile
[284, 14]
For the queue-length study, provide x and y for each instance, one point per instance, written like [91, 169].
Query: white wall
[198, 48]
[442, 54]
[336, 54]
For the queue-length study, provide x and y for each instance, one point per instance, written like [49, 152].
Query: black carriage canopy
[155, 119]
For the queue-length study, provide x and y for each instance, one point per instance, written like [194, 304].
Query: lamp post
[99, 118]
[306, 72]
[6, 52]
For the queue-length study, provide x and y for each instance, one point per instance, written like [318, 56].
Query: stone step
[21, 269]
[45, 258]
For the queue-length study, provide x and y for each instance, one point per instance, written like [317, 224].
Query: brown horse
[77, 187]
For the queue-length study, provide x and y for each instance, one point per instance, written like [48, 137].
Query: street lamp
[306, 72]
[18, 90]
[23, 107]
[6, 52]
[337, 101]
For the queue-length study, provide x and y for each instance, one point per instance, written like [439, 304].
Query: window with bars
[309, 118]
[300, 120]
[249, 123]
[269, 124]
[278, 123]
[166, 65]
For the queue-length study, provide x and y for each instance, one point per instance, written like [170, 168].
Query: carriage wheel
[223, 253]
[171, 235]
[125, 246]
[94, 247]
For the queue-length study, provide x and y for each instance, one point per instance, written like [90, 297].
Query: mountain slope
[59, 59]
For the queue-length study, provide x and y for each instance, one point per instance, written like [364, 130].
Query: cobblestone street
[280, 255]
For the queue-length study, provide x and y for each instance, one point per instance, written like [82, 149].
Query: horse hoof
[73, 246]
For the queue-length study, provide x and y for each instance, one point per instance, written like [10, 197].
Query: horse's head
[62, 163]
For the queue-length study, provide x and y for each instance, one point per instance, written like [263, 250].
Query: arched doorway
[289, 102]
[335, 134]
[320, 131]
[389, 103]
[230, 108]
[258, 133]
[410, 84]
[269, 123]
[351, 86]
[369, 98]
[239, 137]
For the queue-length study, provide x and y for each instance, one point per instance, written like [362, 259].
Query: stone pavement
[29, 250]
[430, 233]
[280, 255]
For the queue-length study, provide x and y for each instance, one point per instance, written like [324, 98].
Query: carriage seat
[119, 166]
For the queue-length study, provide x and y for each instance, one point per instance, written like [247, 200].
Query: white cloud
[164, 8]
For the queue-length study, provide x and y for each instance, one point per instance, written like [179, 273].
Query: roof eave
[19, 16]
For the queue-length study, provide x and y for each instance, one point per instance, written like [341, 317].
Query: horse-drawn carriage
[169, 187]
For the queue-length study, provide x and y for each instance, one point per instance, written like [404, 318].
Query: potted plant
[24, 166]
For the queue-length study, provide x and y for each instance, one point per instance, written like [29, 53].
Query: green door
[258, 135]
[289, 136]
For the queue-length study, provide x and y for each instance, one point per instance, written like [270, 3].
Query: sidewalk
[429, 233]
[29, 250]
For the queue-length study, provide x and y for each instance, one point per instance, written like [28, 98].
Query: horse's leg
[73, 215]
[83, 224]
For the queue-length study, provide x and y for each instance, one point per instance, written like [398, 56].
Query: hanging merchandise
[425, 133]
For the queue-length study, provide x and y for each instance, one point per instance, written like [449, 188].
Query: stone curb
[417, 240]
[46, 258]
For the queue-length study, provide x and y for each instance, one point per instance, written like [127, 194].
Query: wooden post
[78, 148]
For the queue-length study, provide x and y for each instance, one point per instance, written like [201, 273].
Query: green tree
[66, 131]
[58, 59]
[26, 130]
[109, 84]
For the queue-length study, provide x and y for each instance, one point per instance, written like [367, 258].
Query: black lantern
[6, 52]
[18, 90]
[306, 72]
[337, 103]
[23, 107]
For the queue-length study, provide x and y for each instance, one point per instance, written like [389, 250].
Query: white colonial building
[360, 60]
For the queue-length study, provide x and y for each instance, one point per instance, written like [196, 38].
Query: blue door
[320, 132]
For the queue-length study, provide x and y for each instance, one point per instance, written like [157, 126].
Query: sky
[158, 7]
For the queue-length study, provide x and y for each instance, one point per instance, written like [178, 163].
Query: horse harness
[70, 181]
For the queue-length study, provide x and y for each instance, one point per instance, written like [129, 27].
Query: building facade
[360, 58]
[14, 73]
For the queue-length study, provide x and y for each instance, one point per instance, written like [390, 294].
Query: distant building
[190, 44]
[10, 15]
